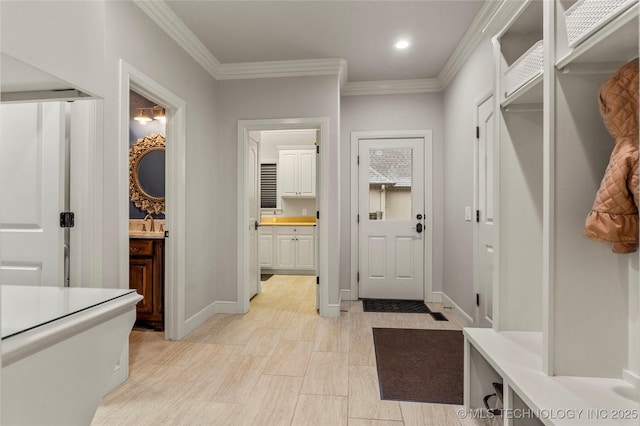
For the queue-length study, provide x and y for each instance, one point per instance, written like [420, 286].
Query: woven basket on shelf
[524, 69]
[587, 16]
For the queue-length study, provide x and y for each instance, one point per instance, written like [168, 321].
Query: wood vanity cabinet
[146, 275]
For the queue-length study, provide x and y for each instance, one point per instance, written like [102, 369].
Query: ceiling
[361, 32]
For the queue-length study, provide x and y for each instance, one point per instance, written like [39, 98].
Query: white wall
[474, 80]
[267, 99]
[63, 38]
[391, 112]
[132, 36]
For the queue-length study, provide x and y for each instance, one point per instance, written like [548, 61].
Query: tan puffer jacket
[614, 217]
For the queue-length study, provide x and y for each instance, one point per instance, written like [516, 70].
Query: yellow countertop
[288, 221]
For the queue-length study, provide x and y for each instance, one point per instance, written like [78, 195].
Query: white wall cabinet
[296, 172]
[288, 248]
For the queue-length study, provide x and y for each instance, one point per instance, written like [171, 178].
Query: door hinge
[478, 216]
[477, 299]
[358, 160]
[477, 132]
[357, 218]
[317, 149]
[358, 276]
[66, 220]
[318, 214]
[318, 280]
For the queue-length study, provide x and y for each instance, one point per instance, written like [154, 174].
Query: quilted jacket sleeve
[614, 216]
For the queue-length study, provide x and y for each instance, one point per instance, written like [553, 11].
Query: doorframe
[322, 232]
[476, 204]
[175, 199]
[427, 136]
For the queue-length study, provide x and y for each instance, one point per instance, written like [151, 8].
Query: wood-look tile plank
[290, 358]
[422, 414]
[327, 374]
[321, 410]
[364, 396]
[370, 422]
[240, 379]
[272, 401]
[333, 335]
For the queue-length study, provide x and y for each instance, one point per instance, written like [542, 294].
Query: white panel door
[392, 210]
[31, 193]
[253, 195]
[484, 218]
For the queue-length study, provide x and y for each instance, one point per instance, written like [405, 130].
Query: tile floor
[280, 364]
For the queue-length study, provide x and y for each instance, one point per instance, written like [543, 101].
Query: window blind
[268, 185]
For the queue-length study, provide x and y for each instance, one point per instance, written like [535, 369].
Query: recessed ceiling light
[402, 44]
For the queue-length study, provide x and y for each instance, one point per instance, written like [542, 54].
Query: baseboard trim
[434, 297]
[333, 310]
[460, 315]
[218, 307]
[631, 377]
[346, 294]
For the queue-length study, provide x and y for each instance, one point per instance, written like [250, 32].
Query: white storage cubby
[519, 166]
[520, 57]
[566, 332]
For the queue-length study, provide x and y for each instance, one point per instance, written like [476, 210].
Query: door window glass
[390, 181]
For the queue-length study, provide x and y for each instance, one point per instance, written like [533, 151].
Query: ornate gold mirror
[146, 173]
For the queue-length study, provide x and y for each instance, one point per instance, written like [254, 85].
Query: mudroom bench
[532, 397]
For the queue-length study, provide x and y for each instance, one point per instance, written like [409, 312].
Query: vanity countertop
[146, 235]
[288, 221]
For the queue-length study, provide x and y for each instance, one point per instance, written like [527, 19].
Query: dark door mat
[397, 306]
[264, 277]
[420, 365]
[438, 316]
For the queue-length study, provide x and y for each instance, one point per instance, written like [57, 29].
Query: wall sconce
[143, 116]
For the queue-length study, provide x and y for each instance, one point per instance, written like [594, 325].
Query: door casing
[175, 254]
[426, 135]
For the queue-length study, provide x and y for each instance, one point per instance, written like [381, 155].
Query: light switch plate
[467, 214]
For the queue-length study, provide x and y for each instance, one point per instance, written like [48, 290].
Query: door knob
[419, 228]
[419, 216]
[256, 224]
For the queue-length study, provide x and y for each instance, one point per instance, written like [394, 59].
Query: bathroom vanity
[146, 276]
[60, 347]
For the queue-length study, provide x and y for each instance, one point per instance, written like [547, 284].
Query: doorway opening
[280, 231]
[147, 220]
[172, 233]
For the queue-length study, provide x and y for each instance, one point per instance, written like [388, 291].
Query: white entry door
[253, 195]
[31, 193]
[484, 214]
[392, 217]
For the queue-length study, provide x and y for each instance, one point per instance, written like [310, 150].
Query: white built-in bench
[515, 360]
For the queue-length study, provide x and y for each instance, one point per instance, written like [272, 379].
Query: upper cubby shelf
[521, 56]
[592, 32]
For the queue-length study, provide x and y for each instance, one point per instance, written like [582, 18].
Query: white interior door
[253, 194]
[392, 217]
[485, 213]
[31, 190]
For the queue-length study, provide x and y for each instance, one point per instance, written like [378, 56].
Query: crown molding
[391, 87]
[162, 15]
[270, 69]
[492, 15]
